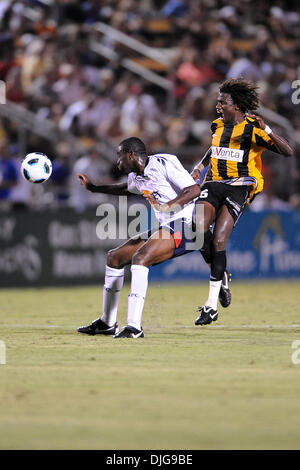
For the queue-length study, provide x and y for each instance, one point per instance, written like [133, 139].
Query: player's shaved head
[134, 145]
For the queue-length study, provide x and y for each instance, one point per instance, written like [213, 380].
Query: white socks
[114, 279]
[136, 298]
[213, 296]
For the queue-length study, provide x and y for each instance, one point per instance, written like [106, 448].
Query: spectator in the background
[97, 114]
[44, 24]
[219, 48]
[194, 69]
[14, 90]
[41, 91]
[247, 66]
[70, 86]
[8, 172]
[138, 111]
[229, 16]
[21, 195]
[73, 111]
[175, 8]
[7, 59]
[32, 61]
[61, 172]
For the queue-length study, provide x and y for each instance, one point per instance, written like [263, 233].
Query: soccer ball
[36, 167]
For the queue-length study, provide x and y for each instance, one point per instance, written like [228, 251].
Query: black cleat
[225, 294]
[98, 327]
[207, 315]
[130, 332]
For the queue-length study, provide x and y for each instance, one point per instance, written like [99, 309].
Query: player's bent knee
[113, 259]
[219, 244]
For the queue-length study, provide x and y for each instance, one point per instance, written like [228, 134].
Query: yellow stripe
[214, 161]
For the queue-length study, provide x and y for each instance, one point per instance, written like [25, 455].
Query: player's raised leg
[159, 248]
[114, 278]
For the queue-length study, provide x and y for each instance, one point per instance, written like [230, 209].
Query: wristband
[267, 130]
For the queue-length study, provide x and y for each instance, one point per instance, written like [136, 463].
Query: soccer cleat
[225, 294]
[130, 332]
[207, 315]
[98, 327]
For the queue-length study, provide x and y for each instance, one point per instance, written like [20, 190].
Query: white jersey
[164, 177]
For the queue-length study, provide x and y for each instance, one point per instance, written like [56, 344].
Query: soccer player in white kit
[162, 179]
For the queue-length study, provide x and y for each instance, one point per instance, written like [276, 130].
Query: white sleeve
[178, 175]
[131, 186]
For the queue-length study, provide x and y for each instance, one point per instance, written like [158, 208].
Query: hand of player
[153, 202]
[84, 181]
[148, 196]
[258, 120]
[196, 174]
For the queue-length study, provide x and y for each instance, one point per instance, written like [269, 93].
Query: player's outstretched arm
[116, 189]
[187, 195]
[196, 172]
[281, 144]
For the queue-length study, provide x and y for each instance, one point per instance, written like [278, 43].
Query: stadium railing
[47, 129]
[163, 57]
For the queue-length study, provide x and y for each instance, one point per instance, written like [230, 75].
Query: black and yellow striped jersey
[236, 154]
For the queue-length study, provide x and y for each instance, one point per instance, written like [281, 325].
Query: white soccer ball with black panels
[36, 167]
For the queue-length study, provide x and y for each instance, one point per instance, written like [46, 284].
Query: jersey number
[204, 193]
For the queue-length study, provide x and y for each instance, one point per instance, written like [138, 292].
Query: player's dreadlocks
[135, 145]
[243, 93]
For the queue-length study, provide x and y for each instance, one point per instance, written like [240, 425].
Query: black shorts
[219, 194]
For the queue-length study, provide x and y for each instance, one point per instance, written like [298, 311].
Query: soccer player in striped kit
[233, 178]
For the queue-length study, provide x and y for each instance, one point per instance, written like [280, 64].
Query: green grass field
[227, 386]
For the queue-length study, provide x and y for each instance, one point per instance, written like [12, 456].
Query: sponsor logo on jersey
[225, 153]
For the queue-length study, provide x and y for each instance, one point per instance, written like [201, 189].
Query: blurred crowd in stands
[51, 67]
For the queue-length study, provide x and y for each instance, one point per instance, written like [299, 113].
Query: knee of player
[140, 259]
[113, 259]
[219, 243]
